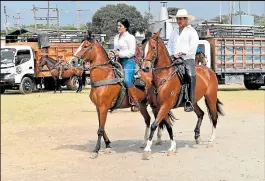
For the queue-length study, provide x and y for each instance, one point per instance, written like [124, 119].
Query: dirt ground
[49, 137]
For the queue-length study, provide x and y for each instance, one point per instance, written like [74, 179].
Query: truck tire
[3, 90]
[73, 83]
[88, 80]
[26, 86]
[251, 86]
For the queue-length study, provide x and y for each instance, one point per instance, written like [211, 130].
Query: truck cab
[17, 68]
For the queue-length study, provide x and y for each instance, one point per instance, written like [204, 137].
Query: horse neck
[47, 63]
[163, 58]
[100, 57]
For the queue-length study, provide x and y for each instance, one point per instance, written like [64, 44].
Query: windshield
[7, 55]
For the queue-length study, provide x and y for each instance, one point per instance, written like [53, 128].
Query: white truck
[18, 68]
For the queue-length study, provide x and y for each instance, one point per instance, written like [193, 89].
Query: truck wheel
[73, 84]
[26, 86]
[2, 90]
[251, 86]
[88, 81]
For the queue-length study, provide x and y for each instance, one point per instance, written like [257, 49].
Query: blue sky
[68, 9]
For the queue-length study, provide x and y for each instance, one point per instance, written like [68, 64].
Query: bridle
[155, 56]
[81, 57]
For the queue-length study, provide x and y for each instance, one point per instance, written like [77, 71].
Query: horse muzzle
[146, 69]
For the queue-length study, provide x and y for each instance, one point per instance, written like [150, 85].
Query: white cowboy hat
[183, 13]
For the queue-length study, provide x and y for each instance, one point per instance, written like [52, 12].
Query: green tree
[105, 19]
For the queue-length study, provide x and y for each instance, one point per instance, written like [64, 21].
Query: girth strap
[106, 82]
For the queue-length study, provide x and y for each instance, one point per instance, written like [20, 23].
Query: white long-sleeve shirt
[187, 42]
[126, 44]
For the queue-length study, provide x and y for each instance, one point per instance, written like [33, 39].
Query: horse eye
[154, 48]
[85, 46]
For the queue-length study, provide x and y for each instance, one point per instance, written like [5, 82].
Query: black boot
[189, 104]
[132, 92]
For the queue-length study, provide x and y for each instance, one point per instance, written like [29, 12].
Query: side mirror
[15, 60]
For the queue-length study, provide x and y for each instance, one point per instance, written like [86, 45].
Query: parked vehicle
[19, 63]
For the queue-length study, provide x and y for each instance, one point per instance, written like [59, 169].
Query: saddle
[118, 79]
[181, 73]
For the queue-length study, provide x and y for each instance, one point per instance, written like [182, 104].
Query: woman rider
[124, 47]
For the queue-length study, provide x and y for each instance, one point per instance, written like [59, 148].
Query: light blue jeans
[129, 66]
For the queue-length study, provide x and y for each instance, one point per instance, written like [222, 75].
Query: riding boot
[132, 92]
[191, 75]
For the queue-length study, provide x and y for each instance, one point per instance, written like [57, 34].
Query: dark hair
[124, 22]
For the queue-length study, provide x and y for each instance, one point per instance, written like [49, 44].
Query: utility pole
[220, 18]
[78, 14]
[6, 24]
[48, 18]
[48, 15]
[239, 7]
[17, 18]
[149, 11]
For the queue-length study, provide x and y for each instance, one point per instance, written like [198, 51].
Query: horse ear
[157, 34]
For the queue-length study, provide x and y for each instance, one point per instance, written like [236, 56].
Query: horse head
[42, 62]
[86, 51]
[151, 49]
[200, 57]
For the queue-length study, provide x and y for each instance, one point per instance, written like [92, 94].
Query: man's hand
[117, 52]
[180, 54]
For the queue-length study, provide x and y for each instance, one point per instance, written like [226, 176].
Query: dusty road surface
[49, 137]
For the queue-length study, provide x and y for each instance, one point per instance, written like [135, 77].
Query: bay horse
[108, 91]
[200, 59]
[168, 82]
[67, 72]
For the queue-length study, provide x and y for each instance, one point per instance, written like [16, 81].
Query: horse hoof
[146, 155]
[171, 153]
[94, 155]
[198, 140]
[159, 142]
[210, 145]
[107, 151]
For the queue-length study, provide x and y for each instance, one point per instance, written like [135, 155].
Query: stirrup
[188, 106]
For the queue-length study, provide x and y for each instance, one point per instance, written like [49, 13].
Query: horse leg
[79, 89]
[197, 129]
[147, 119]
[107, 142]
[60, 85]
[159, 132]
[102, 116]
[55, 85]
[164, 109]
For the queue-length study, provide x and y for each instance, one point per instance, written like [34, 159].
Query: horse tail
[171, 119]
[213, 116]
[219, 108]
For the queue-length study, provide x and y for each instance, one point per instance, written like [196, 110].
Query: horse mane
[164, 47]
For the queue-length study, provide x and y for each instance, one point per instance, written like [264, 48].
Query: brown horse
[168, 83]
[200, 59]
[67, 72]
[108, 91]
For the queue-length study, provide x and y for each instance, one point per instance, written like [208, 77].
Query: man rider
[183, 42]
